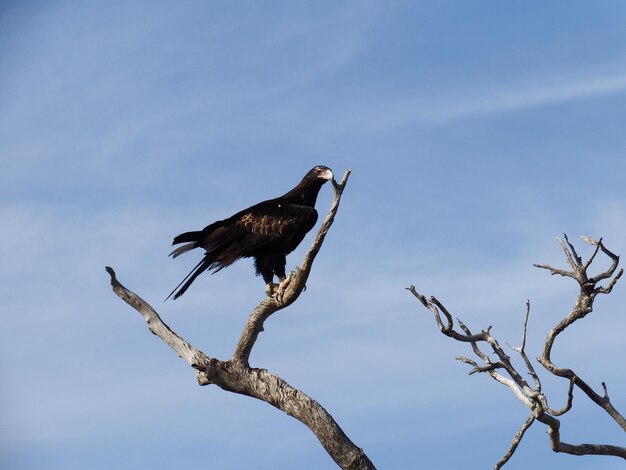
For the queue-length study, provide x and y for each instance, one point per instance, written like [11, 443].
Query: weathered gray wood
[504, 372]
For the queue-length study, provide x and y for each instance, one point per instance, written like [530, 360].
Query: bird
[267, 231]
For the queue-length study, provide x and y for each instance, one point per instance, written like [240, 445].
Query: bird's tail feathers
[183, 249]
[188, 237]
[202, 266]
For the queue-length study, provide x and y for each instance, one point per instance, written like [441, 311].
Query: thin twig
[568, 255]
[515, 443]
[568, 405]
[595, 252]
[554, 271]
[522, 351]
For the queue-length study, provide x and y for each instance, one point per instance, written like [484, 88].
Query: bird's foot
[282, 287]
[271, 288]
[276, 291]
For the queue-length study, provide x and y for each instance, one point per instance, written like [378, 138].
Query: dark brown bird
[267, 232]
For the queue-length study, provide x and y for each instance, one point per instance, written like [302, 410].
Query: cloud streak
[513, 98]
[520, 99]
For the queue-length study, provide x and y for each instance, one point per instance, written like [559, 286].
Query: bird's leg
[280, 289]
[278, 269]
[268, 276]
[276, 290]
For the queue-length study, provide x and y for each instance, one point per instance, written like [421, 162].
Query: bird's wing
[272, 222]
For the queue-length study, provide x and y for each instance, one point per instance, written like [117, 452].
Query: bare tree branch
[181, 347]
[595, 252]
[522, 351]
[504, 372]
[573, 259]
[582, 307]
[575, 449]
[515, 443]
[554, 271]
[568, 405]
[235, 375]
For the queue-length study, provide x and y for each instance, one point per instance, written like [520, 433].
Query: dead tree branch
[236, 375]
[517, 439]
[504, 372]
[589, 289]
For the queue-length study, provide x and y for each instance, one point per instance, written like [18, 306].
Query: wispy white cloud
[533, 96]
[510, 98]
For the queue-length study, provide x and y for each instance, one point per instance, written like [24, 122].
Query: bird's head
[306, 191]
[321, 172]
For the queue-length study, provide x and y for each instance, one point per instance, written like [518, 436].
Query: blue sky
[476, 132]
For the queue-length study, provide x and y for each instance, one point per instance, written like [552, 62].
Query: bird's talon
[280, 288]
[271, 289]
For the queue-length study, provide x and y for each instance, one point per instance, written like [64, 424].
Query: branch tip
[590, 240]
[114, 281]
[606, 391]
[338, 187]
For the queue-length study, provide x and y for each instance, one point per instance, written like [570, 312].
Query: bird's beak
[327, 175]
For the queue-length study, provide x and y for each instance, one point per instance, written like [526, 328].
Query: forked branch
[588, 290]
[506, 373]
[235, 375]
